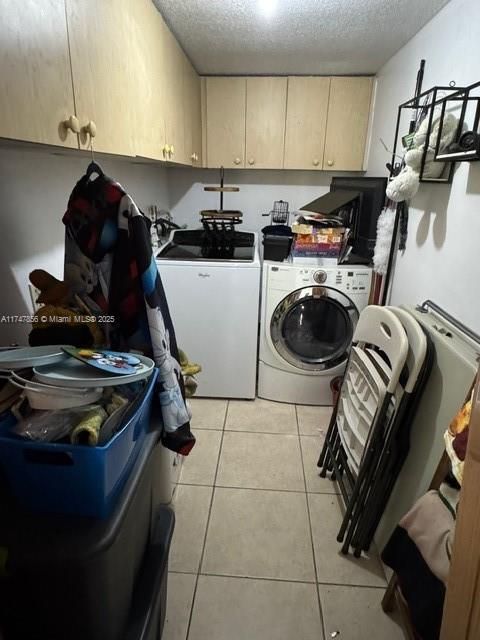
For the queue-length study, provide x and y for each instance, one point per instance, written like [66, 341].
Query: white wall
[34, 188]
[258, 190]
[442, 259]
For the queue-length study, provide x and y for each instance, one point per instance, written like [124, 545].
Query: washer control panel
[355, 281]
[348, 280]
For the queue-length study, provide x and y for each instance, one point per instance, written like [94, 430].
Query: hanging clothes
[109, 264]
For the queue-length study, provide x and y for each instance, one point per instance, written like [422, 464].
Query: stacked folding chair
[368, 435]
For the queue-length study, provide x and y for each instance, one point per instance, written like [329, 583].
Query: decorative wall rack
[466, 144]
[428, 104]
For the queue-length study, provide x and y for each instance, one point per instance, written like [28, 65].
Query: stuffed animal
[60, 320]
[189, 369]
[405, 185]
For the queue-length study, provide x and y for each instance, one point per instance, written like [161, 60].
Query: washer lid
[26, 357]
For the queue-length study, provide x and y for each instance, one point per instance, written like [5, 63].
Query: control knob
[320, 277]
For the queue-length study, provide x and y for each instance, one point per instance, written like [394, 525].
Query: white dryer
[308, 317]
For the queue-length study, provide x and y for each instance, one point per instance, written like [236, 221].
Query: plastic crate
[76, 576]
[73, 479]
[149, 602]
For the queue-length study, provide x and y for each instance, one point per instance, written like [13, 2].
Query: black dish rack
[220, 238]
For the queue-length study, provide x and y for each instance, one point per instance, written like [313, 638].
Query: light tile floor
[254, 554]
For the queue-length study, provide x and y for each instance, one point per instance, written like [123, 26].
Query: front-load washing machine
[308, 317]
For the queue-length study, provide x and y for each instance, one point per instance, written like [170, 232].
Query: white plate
[73, 373]
[26, 357]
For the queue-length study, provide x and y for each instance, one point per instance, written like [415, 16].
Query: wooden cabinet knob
[251, 161]
[90, 128]
[330, 163]
[72, 123]
[237, 161]
[166, 149]
[316, 162]
[193, 157]
[172, 150]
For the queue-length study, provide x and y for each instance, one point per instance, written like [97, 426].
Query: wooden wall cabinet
[147, 32]
[306, 122]
[114, 69]
[36, 94]
[347, 123]
[103, 73]
[225, 125]
[173, 98]
[109, 68]
[265, 122]
[316, 123]
[193, 115]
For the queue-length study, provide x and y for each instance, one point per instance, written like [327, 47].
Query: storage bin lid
[26, 357]
[75, 374]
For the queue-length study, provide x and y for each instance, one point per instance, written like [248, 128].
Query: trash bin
[277, 240]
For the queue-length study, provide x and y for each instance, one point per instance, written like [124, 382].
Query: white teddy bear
[405, 185]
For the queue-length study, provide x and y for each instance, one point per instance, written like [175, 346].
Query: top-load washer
[308, 317]
[213, 293]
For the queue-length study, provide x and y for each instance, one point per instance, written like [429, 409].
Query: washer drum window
[312, 328]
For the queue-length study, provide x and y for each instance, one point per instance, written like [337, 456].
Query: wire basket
[280, 213]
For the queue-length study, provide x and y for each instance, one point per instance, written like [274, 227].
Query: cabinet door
[265, 122]
[35, 81]
[193, 115]
[226, 122]
[307, 106]
[173, 97]
[103, 74]
[147, 34]
[347, 123]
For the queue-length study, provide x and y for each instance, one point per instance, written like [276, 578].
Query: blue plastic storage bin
[74, 479]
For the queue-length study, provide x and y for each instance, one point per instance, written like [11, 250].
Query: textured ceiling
[294, 36]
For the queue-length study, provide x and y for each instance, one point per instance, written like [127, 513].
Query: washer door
[312, 328]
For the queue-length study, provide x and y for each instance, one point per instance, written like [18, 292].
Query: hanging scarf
[109, 264]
